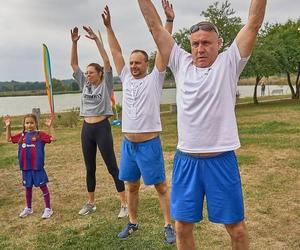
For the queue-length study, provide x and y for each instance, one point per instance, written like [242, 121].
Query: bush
[68, 119]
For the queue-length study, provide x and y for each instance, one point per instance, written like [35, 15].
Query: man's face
[205, 47]
[138, 65]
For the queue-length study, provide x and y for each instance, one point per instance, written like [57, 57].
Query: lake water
[21, 105]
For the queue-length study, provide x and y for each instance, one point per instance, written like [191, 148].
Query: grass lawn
[269, 162]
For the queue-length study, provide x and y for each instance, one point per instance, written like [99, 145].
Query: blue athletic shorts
[37, 178]
[217, 178]
[142, 158]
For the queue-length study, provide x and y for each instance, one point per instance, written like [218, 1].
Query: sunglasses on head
[206, 26]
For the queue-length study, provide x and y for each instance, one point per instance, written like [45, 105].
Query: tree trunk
[255, 101]
[297, 83]
[290, 85]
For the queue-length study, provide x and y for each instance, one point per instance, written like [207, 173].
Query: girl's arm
[49, 124]
[100, 46]
[7, 121]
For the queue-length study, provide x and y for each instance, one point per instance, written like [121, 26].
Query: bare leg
[164, 201]
[133, 200]
[122, 196]
[184, 235]
[239, 235]
[91, 196]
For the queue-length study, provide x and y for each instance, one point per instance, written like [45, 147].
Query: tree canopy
[277, 49]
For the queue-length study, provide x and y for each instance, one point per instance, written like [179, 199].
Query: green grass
[269, 163]
[270, 127]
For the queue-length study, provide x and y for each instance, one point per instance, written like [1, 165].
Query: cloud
[25, 25]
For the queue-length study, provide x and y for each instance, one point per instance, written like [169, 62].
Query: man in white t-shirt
[141, 153]
[205, 163]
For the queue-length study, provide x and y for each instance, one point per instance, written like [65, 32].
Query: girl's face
[29, 124]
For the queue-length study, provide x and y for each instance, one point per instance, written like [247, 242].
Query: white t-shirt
[141, 101]
[206, 101]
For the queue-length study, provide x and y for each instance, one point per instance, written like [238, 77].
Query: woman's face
[29, 124]
[92, 75]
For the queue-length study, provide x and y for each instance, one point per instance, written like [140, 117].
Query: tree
[182, 39]
[284, 40]
[74, 86]
[223, 17]
[262, 62]
[169, 74]
[57, 85]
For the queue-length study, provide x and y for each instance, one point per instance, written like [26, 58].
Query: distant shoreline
[119, 88]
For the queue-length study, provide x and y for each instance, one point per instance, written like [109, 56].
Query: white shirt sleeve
[177, 58]
[124, 73]
[236, 61]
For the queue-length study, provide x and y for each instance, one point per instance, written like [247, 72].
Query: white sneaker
[123, 211]
[47, 213]
[87, 209]
[27, 211]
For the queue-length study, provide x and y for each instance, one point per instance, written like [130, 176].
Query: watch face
[23, 145]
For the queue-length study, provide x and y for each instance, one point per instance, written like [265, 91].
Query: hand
[74, 35]
[106, 17]
[7, 120]
[49, 120]
[91, 33]
[168, 8]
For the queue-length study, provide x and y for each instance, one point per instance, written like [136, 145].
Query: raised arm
[113, 42]
[170, 15]
[74, 56]
[247, 35]
[162, 37]
[49, 123]
[91, 35]
[7, 121]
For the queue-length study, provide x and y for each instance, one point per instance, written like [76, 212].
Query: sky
[26, 25]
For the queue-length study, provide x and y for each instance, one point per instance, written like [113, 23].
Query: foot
[27, 211]
[123, 211]
[47, 213]
[87, 209]
[129, 229]
[170, 234]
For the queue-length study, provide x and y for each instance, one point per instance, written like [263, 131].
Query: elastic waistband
[153, 140]
[187, 155]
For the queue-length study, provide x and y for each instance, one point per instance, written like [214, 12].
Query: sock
[46, 195]
[28, 197]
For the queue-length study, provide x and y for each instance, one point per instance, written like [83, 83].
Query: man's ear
[220, 42]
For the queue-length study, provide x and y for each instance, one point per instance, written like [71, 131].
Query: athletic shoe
[87, 209]
[123, 211]
[170, 234]
[129, 229]
[47, 213]
[27, 211]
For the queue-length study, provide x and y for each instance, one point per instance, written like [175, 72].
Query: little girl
[31, 159]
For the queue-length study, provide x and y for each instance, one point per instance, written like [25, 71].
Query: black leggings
[93, 135]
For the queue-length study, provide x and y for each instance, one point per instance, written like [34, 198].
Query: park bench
[277, 92]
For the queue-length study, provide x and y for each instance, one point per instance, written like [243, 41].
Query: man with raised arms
[141, 152]
[205, 163]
